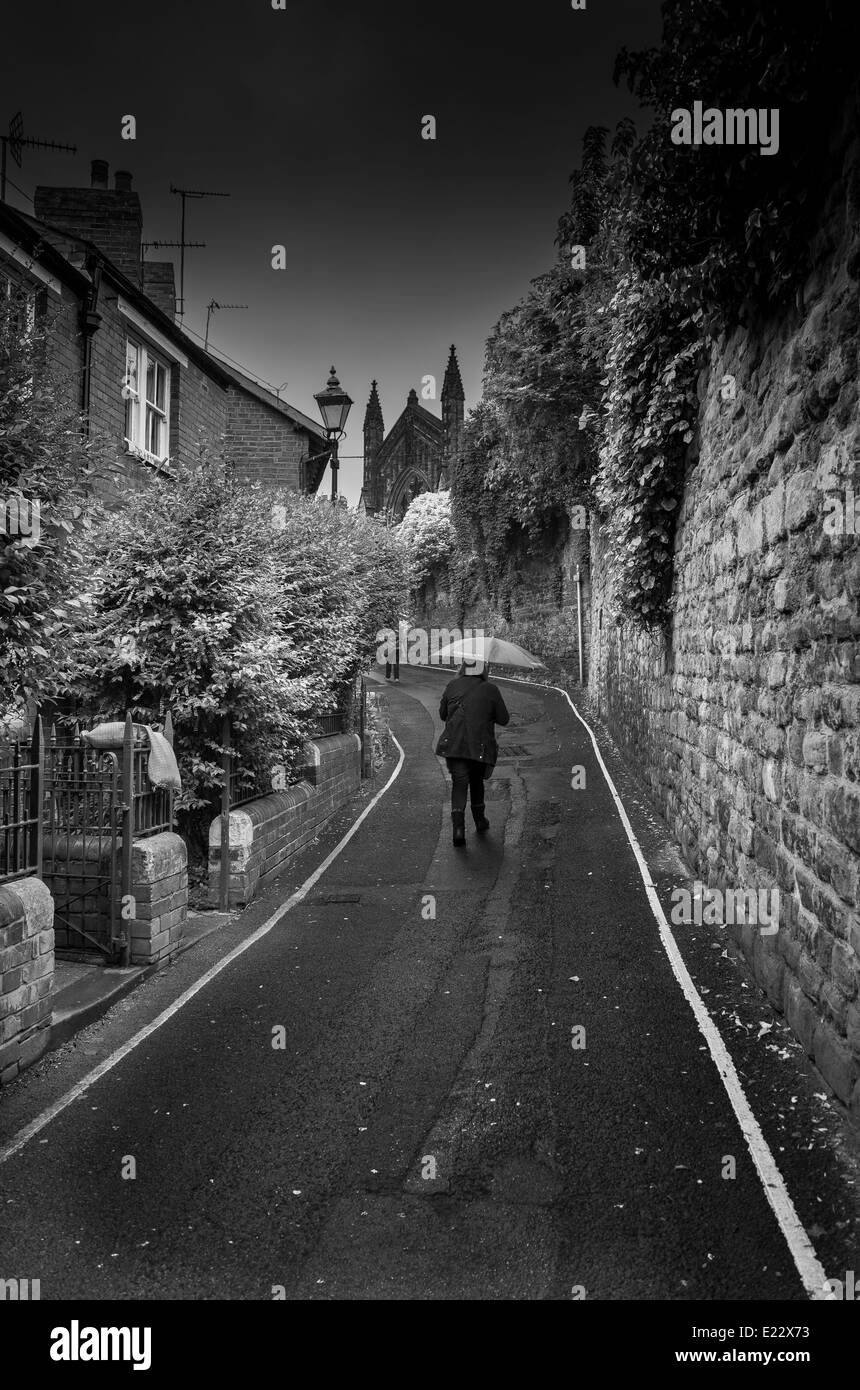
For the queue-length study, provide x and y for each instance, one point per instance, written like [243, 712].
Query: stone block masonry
[26, 974]
[745, 721]
[265, 834]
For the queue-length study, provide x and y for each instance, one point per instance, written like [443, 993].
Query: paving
[445, 1074]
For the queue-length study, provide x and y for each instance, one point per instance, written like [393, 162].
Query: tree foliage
[427, 539]
[44, 469]
[740, 220]
[592, 379]
[206, 597]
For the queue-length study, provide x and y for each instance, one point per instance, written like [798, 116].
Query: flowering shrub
[427, 538]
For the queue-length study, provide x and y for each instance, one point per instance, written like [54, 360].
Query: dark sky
[310, 118]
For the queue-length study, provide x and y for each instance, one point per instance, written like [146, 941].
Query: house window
[146, 390]
[19, 303]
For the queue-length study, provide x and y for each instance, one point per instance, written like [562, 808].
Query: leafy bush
[210, 598]
[44, 468]
[743, 222]
[594, 374]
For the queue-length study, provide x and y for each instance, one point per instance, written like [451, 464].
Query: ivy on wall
[590, 383]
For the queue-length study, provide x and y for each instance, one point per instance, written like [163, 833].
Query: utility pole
[15, 140]
[185, 194]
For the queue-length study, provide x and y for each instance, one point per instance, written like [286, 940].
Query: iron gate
[97, 802]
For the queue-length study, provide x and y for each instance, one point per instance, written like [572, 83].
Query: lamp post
[334, 406]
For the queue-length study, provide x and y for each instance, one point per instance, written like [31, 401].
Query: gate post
[37, 797]
[127, 791]
[226, 763]
[168, 734]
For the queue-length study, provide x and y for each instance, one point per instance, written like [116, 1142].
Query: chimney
[160, 286]
[109, 217]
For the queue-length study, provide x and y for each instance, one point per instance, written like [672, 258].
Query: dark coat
[472, 735]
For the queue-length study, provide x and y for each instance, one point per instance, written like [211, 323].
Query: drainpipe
[579, 621]
[90, 322]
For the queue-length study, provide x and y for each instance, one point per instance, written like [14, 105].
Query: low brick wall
[159, 886]
[265, 834]
[26, 974]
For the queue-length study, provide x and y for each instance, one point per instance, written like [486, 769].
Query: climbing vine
[590, 383]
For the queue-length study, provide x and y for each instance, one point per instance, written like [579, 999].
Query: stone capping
[266, 833]
[26, 973]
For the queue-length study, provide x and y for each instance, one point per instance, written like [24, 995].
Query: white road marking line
[802, 1250]
[36, 1126]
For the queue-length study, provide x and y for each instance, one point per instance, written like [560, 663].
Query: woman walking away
[470, 706]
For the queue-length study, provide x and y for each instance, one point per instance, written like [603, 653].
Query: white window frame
[138, 408]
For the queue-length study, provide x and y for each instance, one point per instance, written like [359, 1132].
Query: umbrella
[491, 649]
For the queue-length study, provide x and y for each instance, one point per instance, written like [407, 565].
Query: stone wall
[745, 722]
[266, 833]
[543, 607]
[378, 731]
[26, 974]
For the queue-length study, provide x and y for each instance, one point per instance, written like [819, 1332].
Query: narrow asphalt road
[429, 1129]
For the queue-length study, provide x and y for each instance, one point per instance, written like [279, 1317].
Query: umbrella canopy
[492, 649]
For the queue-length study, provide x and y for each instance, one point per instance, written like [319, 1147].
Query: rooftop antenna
[150, 245]
[15, 140]
[210, 309]
[185, 194]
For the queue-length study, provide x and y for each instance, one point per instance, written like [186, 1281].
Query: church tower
[374, 433]
[453, 406]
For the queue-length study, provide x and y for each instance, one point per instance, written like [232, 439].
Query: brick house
[147, 390]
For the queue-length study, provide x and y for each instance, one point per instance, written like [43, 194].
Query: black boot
[481, 822]
[458, 821]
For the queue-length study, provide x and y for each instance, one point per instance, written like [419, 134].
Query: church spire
[374, 433]
[373, 414]
[452, 386]
[453, 398]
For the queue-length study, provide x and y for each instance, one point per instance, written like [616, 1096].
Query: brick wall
[265, 834]
[159, 285]
[26, 974]
[264, 445]
[745, 725]
[263, 442]
[159, 885]
[111, 218]
[198, 405]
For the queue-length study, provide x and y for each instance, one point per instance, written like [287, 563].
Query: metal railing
[332, 722]
[21, 794]
[70, 813]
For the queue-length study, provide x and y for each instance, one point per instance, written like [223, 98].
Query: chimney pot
[99, 173]
[122, 181]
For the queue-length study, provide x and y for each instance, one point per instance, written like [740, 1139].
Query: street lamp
[334, 406]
